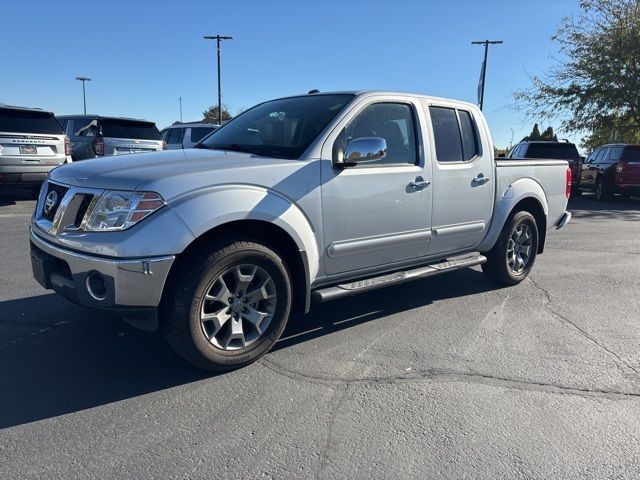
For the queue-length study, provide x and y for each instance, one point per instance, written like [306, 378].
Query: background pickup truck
[308, 197]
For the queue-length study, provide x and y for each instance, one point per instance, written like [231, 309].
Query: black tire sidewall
[272, 264]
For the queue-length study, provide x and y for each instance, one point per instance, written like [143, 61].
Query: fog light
[95, 286]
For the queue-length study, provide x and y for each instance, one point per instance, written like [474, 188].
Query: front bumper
[566, 217]
[116, 284]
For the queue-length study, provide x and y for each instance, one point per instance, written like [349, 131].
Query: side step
[347, 289]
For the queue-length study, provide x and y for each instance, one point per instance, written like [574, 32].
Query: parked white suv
[186, 135]
[32, 143]
[309, 197]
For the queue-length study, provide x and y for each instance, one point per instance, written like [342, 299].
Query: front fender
[509, 195]
[203, 210]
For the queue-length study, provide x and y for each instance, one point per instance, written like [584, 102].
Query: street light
[84, 96]
[217, 38]
[483, 73]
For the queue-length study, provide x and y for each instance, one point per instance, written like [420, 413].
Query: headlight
[120, 210]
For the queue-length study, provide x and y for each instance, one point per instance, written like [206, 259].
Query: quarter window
[198, 133]
[392, 121]
[469, 135]
[175, 136]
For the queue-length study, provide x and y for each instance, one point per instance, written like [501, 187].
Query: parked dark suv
[95, 136]
[612, 169]
[556, 150]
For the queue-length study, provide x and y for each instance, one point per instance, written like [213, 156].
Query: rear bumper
[566, 218]
[23, 179]
[129, 286]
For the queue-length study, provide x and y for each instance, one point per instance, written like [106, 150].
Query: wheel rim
[520, 248]
[238, 307]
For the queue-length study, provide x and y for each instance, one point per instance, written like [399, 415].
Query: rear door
[463, 178]
[630, 167]
[122, 136]
[30, 140]
[589, 170]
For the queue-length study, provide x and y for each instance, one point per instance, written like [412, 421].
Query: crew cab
[612, 169]
[311, 197]
[31, 144]
[94, 136]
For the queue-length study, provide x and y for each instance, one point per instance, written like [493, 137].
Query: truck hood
[170, 172]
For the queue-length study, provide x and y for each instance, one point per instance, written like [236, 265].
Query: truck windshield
[559, 151]
[280, 128]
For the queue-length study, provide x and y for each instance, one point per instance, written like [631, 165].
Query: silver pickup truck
[311, 197]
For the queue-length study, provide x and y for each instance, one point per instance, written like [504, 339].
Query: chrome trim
[361, 245]
[459, 229]
[67, 209]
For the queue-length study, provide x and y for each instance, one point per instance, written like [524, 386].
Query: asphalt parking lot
[449, 377]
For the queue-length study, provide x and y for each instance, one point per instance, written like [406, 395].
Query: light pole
[217, 38]
[483, 74]
[84, 96]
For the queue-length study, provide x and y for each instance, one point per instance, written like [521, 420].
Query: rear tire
[512, 257]
[227, 305]
[602, 193]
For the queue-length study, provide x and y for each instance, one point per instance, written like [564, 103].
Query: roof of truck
[384, 92]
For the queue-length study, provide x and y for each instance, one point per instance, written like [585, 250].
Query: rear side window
[198, 133]
[631, 154]
[17, 121]
[130, 129]
[175, 136]
[616, 153]
[84, 127]
[447, 134]
[63, 123]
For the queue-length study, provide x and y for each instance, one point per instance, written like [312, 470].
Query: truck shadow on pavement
[57, 358]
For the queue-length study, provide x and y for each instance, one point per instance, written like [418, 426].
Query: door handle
[420, 183]
[481, 179]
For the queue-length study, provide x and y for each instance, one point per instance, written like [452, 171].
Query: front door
[463, 183]
[376, 213]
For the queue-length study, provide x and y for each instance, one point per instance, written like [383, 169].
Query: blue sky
[143, 55]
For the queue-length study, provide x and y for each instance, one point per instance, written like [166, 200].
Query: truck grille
[52, 202]
[82, 209]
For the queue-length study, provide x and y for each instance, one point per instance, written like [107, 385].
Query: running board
[396, 278]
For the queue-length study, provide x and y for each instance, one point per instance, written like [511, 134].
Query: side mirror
[366, 149]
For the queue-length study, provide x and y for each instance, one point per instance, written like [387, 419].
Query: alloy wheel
[519, 248]
[238, 307]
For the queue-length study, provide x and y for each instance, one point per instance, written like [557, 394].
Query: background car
[562, 150]
[32, 143]
[612, 169]
[186, 135]
[96, 136]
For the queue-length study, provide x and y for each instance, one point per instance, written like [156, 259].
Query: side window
[198, 133]
[63, 123]
[85, 127]
[603, 157]
[447, 134]
[470, 143]
[392, 121]
[175, 136]
[616, 153]
[165, 133]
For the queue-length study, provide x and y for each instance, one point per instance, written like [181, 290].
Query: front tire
[512, 257]
[226, 306]
[602, 193]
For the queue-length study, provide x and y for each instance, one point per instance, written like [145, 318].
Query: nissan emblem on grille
[50, 201]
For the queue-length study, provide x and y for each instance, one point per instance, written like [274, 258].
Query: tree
[211, 114]
[549, 135]
[595, 85]
[536, 135]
